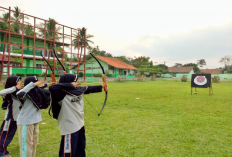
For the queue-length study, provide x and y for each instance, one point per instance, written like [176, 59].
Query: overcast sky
[170, 31]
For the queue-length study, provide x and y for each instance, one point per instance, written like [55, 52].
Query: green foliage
[48, 75]
[28, 74]
[138, 62]
[28, 30]
[201, 62]
[22, 75]
[227, 69]
[80, 74]
[195, 67]
[3, 26]
[97, 75]
[81, 39]
[17, 59]
[57, 65]
[50, 27]
[107, 73]
[150, 70]
[125, 59]
[97, 51]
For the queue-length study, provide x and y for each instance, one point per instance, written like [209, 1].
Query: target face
[201, 80]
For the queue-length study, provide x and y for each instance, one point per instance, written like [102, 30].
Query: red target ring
[200, 79]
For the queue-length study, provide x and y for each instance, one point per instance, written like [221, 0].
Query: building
[179, 72]
[112, 66]
[211, 71]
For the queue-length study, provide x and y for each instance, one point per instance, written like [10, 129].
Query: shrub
[80, 74]
[31, 74]
[97, 75]
[216, 79]
[184, 78]
[22, 75]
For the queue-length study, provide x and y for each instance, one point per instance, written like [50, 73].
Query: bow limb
[54, 52]
[105, 82]
[52, 72]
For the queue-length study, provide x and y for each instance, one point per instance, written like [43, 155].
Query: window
[39, 65]
[111, 67]
[16, 64]
[120, 71]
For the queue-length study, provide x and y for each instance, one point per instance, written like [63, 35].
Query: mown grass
[165, 121]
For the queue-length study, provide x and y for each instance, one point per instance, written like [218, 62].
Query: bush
[42, 74]
[22, 75]
[216, 79]
[31, 74]
[184, 78]
[109, 75]
[80, 74]
[97, 75]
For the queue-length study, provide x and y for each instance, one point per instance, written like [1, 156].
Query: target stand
[201, 81]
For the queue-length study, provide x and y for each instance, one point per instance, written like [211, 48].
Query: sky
[167, 31]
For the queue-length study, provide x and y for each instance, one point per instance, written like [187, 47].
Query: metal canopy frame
[78, 50]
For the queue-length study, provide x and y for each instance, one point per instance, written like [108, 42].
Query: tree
[125, 59]
[162, 68]
[50, 28]
[28, 30]
[137, 62]
[81, 38]
[195, 67]
[97, 51]
[227, 60]
[17, 17]
[177, 65]
[4, 23]
[149, 69]
[201, 62]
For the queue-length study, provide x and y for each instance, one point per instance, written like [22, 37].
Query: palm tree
[50, 25]
[17, 17]
[201, 62]
[28, 30]
[4, 23]
[81, 39]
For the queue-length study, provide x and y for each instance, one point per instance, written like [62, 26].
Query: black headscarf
[59, 91]
[10, 82]
[68, 78]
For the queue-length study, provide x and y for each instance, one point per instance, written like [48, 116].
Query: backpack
[45, 99]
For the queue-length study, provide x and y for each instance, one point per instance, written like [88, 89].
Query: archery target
[201, 80]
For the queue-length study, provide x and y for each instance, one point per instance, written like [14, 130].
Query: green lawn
[165, 121]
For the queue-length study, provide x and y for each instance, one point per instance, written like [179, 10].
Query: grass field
[166, 121]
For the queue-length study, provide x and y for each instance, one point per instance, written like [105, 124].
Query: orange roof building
[116, 63]
[179, 71]
[212, 71]
[112, 66]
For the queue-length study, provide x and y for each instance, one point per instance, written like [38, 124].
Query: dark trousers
[73, 145]
[7, 133]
